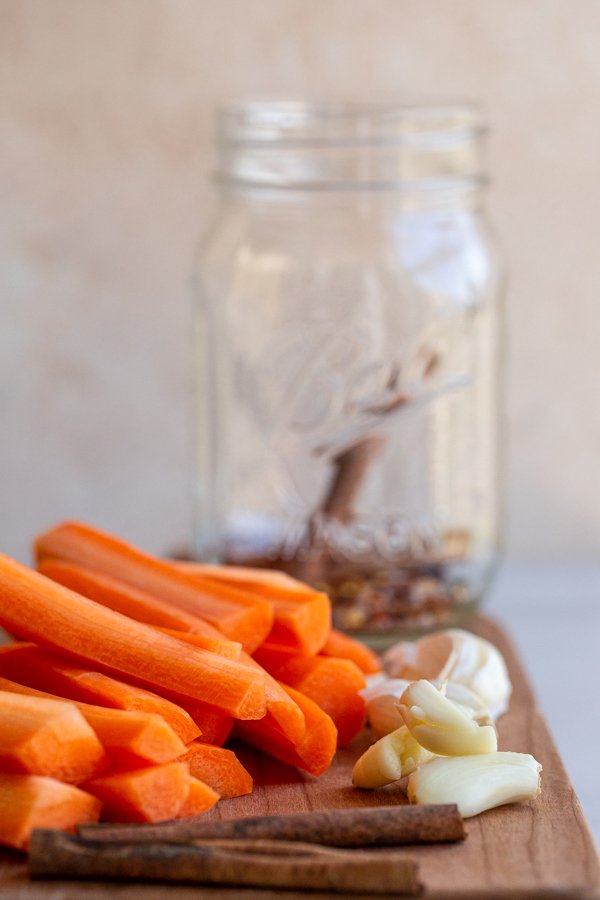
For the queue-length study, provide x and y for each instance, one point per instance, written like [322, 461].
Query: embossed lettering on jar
[347, 346]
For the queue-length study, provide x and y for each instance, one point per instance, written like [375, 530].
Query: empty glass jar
[347, 352]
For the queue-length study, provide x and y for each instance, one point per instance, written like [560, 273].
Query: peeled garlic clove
[449, 742]
[467, 700]
[392, 757]
[476, 783]
[440, 726]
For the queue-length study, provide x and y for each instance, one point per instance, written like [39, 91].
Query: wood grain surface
[534, 850]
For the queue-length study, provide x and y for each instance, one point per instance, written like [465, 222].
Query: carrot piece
[333, 684]
[238, 614]
[47, 737]
[313, 753]
[129, 738]
[201, 797]
[284, 711]
[279, 705]
[302, 615]
[224, 647]
[35, 801]
[32, 666]
[150, 794]
[219, 768]
[138, 605]
[272, 581]
[36, 608]
[215, 726]
[342, 646]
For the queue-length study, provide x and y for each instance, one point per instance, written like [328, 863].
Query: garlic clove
[427, 704]
[392, 757]
[450, 742]
[382, 704]
[476, 783]
[384, 715]
[441, 726]
[469, 701]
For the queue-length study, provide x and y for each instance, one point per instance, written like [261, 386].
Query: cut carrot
[240, 615]
[215, 726]
[150, 794]
[47, 737]
[224, 647]
[343, 646]
[33, 801]
[302, 615]
[272, 581]
[200, 798]
[129, 738]
[35, 608]
[279, 705]
[284, 711]
[313, 753]
[137, 605]
[333, 684]
[219, 768]
[28, 664]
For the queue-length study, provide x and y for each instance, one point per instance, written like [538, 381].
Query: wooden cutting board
[534, 850]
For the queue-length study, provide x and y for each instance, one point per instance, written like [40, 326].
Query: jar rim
[378, 143]
[288, 122]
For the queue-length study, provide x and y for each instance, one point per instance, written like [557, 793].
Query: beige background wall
[104, 153]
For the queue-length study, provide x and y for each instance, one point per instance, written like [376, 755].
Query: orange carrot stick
[215, 726]
[150, 794]
[36, 608]
[137, 605]
[302, 616]
[47, 737]
[342, 646]
[332, 683]
[219, 768]
[313, 753]
[271, 581]
[200, 798]
[240, 615]
[224, 647]
[32, 666]
[279, 705]
[33, 801]
[129, 738]
[284, 711]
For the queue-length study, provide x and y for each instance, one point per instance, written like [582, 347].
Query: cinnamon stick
[360, 827]
[350, 469]
[54, 854]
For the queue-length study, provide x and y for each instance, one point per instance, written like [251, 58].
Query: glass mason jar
[347, 348]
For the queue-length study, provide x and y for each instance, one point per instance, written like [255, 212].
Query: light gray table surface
[552, 614]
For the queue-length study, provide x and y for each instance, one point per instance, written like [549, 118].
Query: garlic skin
[441, 726]
[459, 657]
[477, 783]
[392, 757]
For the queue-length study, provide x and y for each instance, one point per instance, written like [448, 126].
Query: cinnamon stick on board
[57, 855]
[360, 827]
